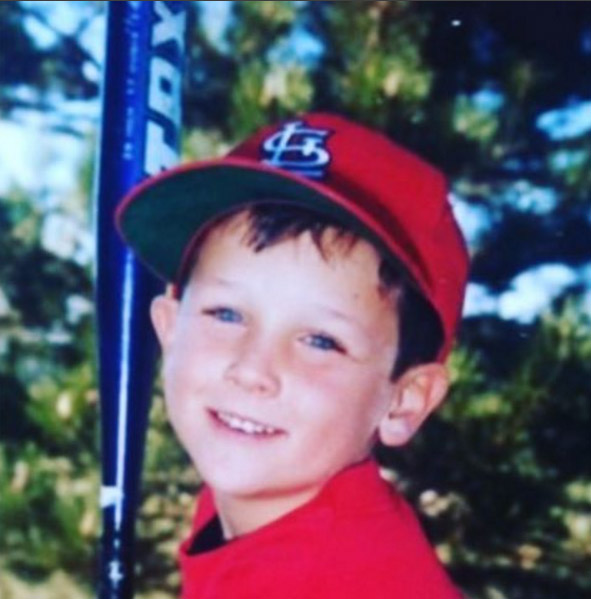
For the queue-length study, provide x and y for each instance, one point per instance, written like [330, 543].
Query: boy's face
[277, 364]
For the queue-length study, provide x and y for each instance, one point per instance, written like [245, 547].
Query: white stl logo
[298, 148]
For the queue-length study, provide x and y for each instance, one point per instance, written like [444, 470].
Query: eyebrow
[217, 282]
[342, 316]
[221, 282]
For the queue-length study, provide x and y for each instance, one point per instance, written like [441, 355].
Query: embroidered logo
[298, 148]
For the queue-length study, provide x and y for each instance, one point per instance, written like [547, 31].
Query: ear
[163, 312]
[416, 394]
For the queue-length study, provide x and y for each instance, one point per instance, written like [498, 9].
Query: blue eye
[324, 343]
[224, 314]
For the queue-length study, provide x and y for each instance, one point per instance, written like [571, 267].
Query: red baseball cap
[328, 164]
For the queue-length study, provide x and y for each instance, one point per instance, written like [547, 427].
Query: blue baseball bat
[139, 136]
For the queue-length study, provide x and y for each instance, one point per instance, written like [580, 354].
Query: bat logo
[116, 574]
[165, 80]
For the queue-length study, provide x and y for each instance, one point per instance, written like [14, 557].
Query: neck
[241, 515]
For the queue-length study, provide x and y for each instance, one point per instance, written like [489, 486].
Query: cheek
[187, 366]
[186, 379]
[348, 399]
[193, 350]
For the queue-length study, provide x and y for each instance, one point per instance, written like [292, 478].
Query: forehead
[340, 270]
[263, 225]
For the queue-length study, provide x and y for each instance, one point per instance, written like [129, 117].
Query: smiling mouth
[244, 425]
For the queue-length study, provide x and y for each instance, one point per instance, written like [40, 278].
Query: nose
[253, 367]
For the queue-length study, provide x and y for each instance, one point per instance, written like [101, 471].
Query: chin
[230, 481]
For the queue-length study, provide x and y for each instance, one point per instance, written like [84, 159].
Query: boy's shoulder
[378, 546]
[358, 536]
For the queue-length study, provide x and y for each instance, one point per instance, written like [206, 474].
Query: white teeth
[246, 426]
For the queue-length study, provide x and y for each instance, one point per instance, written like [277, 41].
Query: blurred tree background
[498, 94]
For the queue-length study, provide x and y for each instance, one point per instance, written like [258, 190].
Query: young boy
[318, 277]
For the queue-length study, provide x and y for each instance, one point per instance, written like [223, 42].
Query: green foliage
[475, 123]
[260, 24]
[501, 475]
[44, 68]
[49, 480]
[377, 63]
[265, 86]
[49, 522]
[48, 474]
[28, 69]
[262, 89]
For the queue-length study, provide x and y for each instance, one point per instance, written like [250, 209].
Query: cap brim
[161, 216]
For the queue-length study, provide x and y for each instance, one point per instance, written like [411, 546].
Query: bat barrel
[140, 135]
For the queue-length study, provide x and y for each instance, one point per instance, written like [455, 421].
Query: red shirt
[356, 538]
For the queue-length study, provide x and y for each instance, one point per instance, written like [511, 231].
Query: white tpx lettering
[159, 154]
[116, 574]
[165, 89]
[164, 93]
[298, 148]
[170, 27]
